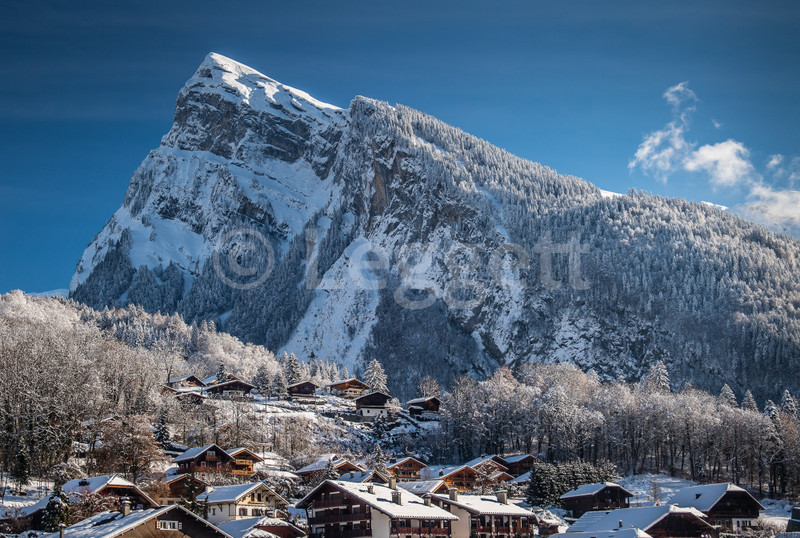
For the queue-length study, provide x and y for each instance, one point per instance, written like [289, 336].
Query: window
[259, 497]
[213, 511]
[212, 453]
[167, 525]
[242, 511]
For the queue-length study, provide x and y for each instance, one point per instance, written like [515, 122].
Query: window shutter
[180, 525]
[158, 525]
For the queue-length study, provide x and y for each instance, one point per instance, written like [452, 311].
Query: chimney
[61, 528]
[397, 497]
[370, 489]
[620, 523]
[427, 499]
[453, 494]
[126, 507]
[502, 496]
[392, 482]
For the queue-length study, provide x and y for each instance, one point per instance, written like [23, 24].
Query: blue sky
[89, 88]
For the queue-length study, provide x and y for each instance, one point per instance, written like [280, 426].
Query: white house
[226, 503]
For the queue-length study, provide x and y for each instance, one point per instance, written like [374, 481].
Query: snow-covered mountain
[379, 231]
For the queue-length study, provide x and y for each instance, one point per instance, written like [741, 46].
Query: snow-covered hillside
[376, 230]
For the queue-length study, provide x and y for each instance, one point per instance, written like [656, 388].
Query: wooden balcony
[242, 472]
[338, 518]
[329, 504]
[421, 531]
[243, 463]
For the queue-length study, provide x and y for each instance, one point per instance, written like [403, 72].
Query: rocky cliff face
[378, 231]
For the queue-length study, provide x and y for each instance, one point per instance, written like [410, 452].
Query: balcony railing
[422, 531]
[328, 504]
[242, 472]
[335, 518]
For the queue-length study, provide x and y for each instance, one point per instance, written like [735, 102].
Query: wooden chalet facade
[318, 467]
[178, 488]
[209, 458]
[373, 405]
[173, 520]
[406, 469]
[304, 389]
[486, 516]
[349, 388]
[227, 503]
[424, 406]
[725, 504]
[109, 486]
[348, 510]
[461, 477]
[244, 461]
[185, 382]
[234, 388]
[598, 496]
[518, 464]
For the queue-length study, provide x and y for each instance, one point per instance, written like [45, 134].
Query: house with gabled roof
[486, 515]
[178, 488]
[662, 521]
[619, 533]
[186, 381]
[226, 503]
[373, 404]
[406, 469]
[336, 508]
[173, 520]
[244, 461]
[518, 464]
[462, 477]
[360, 477]
[230, 389]
[597, 496]
[348, 388]
[208, 458]
[426, 407]
[724, 504]
[315, 468]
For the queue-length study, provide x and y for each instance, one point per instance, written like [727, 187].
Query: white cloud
[679, 95]
[774, 161]
[726, 162]
[717, 125]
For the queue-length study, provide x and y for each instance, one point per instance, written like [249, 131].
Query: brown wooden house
[406, 469]
[373, 405]
[178, 488]
[173, 520]
[304, 389]
[234, 388]
[424, 406]
[598, 496]
[725, 504]
[486, 515]
[244, 461]
[316, 468]
[185, 382]
[461, 477]
[349, 388]
[209, 458]
[518, 464]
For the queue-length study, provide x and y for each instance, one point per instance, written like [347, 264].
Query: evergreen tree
[191, 502]
[658, 378]
[262, 380]
[378, 461]
[278, 388]
[161, 431]
[294, 370]
[21, 469]
[56, 512]
[375, 376]
[345, 374]
[727, 397]
[749, 403]
[330, 472]
[221, 374]
[789, 404]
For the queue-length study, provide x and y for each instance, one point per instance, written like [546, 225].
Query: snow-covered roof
[705, 497]
[380, 499]
[231, 494]
[433, 472]
[184, 378]
[635, 518]
[192, 453]
[516, 457]
[483, 459]
[232, 452]
[421, 400]
[244, 528]
[95, 484]
[110, 524]
[591, 489]
[485, 505]
[349, 380]
[526, 477]
[358, 477]
[619, 533]
[402, 461]
[322, 463]
[420, 487]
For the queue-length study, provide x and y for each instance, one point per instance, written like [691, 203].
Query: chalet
[406, 469]
[424, 407]
[658, 521]
[337, 508]
[261, 527]
[226, 503]
[373, 405]
[214, 380]
[209, 458]
[421, 487]
[233, 388]
[518, 464]
[599, 496]
[349, 388]
[179, 487]
[304, 389]
[726, 505]
[487, 465]
[150, 523]
[361, 477]
[185, 382]
[243, 462]
[462, 477]
[486, 515]
[109, 486]
[522, 480]
[318, 467]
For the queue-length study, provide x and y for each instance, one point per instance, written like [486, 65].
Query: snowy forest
[68, 368]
